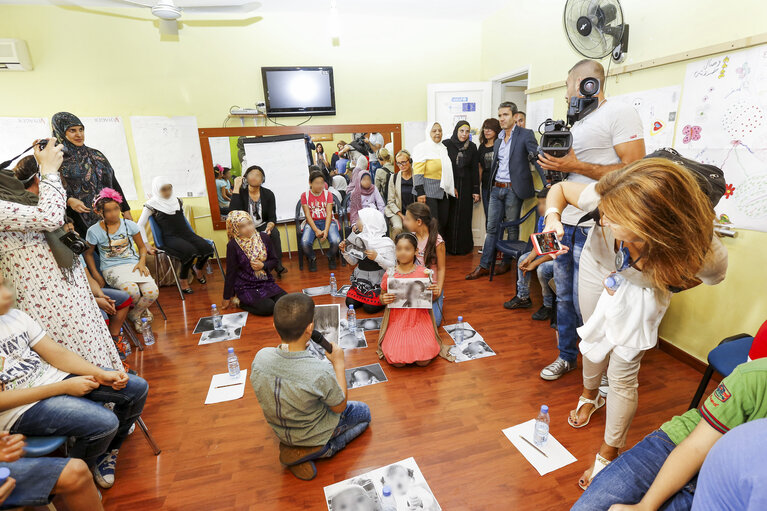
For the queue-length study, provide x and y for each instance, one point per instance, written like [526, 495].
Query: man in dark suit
[512, 183]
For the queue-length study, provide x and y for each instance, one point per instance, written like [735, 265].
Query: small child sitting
[365, 287]
[304, 399]
[317, 205]
[408, 336]
[544, 268]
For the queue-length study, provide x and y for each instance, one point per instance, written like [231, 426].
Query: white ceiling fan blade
[168, 27]
[133, 2]
[223, 9]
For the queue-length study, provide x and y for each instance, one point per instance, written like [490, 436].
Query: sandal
[599, 464]
[598, 403]
[187, 291]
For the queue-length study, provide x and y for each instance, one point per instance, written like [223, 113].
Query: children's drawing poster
[538, 112]
[723, 121]
[658, 110]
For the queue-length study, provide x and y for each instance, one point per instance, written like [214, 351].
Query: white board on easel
[18, 133]
[107, 134]
[169, 146]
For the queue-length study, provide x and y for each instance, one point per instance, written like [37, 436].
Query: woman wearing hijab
[47, 277]
[84, 173]
[179, 240]
[433, 175]
[464, 157]
[249, 261]
[364, 195]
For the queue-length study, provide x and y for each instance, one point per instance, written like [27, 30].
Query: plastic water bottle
[217, 319]
[351, 319]
[333, 284]
[388, 503]
[126, 344]
[542, 427]
[5, 473]
[146, 331]
[208, 268]
[613, 281]
[233, 363]
[459, 331]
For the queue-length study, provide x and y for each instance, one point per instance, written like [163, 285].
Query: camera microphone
[318, 338]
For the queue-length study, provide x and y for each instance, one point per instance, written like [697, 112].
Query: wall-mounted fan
[595, 28]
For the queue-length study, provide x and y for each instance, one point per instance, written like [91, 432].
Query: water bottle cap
[386, 490]
[5, 473]
[460, 318]
[231, 350]
[610, 281]
[332, 274]
[213, 306]
[544, 409]
[143, 320]
[351, 307]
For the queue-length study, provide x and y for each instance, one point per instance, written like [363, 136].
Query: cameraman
[607, 139]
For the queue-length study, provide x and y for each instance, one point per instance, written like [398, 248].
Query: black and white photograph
[365, 375]
[225, 333]
[410, 293]
[351, 340]
[235, 319]
[355, 247]
[316, 351]
[343, 290]
[327, 319]
[317, 291]
[409, 490]
[469, 333]
[471, 350]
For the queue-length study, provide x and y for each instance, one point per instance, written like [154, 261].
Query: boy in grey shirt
[302, 397]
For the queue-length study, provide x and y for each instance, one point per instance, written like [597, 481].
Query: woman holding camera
[248, 195]
[50, 285]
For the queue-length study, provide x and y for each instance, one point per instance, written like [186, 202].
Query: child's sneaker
[104, 471]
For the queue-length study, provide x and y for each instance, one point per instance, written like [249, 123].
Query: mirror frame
[260, 131]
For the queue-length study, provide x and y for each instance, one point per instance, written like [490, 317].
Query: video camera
[556, 138]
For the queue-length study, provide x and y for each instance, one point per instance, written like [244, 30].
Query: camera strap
[7, 163]
[591, 215]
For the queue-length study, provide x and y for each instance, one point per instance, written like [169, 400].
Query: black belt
[499, 184]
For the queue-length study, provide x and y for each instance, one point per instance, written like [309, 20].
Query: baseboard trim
[682, 355]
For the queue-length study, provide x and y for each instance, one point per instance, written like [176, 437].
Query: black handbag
[710, 178]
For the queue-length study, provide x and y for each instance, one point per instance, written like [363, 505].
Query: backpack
[710, 178]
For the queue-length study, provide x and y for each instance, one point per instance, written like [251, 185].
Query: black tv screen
[299, 91]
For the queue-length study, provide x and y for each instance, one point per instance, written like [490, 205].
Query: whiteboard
[413, 133]
[449, 103]
[283, 159]
[107, 134]
[18, 133]
[658, 109]
[169, 146]
[537, 112]
[723, 121]
[220, 151]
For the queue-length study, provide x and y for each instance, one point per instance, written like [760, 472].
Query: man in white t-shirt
[606, 139]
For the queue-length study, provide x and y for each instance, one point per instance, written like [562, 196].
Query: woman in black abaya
[464, 155]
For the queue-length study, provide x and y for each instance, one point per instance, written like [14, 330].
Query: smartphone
[546, 243]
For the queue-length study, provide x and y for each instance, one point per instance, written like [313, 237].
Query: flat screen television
[299, 91]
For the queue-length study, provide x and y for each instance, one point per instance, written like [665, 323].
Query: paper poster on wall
[107, 134]
[169, 146]
[658, 111]
[450, 103]
[538, 112]
[221, 151]
[413, 133]
[723, 121]
[18, 133]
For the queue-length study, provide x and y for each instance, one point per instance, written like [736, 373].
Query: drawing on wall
[723, 122]
[658, 110]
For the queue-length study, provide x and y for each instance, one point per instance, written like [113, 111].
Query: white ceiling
[444, 9]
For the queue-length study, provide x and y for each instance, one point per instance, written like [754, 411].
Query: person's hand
[79, 385]
[269, 228]
[317, 232]
[421, 199]
[342, 246]
[225, 304]
[257, 265]
[151, 249]
[336, 356]
[11, 447]
[371, 254]
[554, 223]
[387, 298]
[237, 184]
[567, 163]
[475, 197]
[106, 305]
[49, 159]
[115, 379]
[524, 266]
[142, 269]
[324, 234]
[77, 205]
[435, 291]
[7, 488]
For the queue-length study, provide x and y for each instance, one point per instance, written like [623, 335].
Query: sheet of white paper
[225, 388]
[558, 456]
[19, 133]
[220, 151]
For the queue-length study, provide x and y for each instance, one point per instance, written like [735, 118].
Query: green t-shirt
[296, 391]
[740, 398]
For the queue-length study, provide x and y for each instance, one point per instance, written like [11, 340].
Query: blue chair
[39, 446]
[343, 216]
[511, 248]
[337, 206]
[159, 244]
[723, 359]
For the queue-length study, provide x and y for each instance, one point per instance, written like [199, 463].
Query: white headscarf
[168, 206]
[374, 233]
[430, 150]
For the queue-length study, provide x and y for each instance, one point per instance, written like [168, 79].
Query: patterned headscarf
[86, 172]
[254, 246]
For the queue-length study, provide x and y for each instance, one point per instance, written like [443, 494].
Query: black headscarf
[86, 171]
[460, 159]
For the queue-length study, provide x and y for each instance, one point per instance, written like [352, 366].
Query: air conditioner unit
[14, 55]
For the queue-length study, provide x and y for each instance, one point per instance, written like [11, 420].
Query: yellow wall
[698, 319]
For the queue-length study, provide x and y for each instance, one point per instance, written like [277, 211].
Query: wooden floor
[448, 416]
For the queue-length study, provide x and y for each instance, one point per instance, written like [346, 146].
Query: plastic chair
[343, 216]
[728, 354]
[512, 248]
[300, 218]
[39, 446]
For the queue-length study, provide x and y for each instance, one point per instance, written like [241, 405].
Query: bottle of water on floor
[146, 331]
[333, 284]
[208, 268]
[351, 319]
[542, 427]
[126, 345]
[459, 331]
[388, 502]
[233, 363]
[217, 319]
[613, 282]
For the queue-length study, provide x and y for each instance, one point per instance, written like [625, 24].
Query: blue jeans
[308, 237]
[566, 280]
[436, 307]
[627, 479]
[545, 272]
[354, 420]
[95, 429]
[504, 203]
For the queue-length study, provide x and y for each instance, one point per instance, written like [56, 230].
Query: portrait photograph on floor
[365, 375]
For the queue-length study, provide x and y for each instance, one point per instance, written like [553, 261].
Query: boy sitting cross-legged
[302, 397]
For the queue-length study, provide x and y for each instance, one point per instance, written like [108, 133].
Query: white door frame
[498, 80]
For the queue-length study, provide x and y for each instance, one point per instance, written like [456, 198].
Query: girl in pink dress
[408, 336]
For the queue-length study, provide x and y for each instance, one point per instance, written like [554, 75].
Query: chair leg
[157, 302]
[148, 436]
[175, 277]
[51, 507]
[128, 328]
[702, 387]
[218, 260]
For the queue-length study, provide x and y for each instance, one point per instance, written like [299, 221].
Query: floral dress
[65, 308]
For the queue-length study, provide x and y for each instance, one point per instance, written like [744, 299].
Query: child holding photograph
[365, 289]
[408, 335]
[430, 252]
